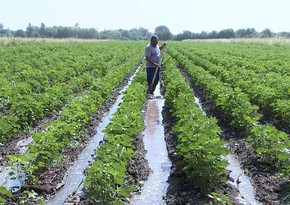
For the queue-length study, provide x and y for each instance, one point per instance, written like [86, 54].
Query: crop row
[201, 150]
[100, 72]
[44, 78]
[269, 90]
[48, 146]
[106, 181]
[262, 58]
[235, 105]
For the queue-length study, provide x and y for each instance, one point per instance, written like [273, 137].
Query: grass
[11, 41]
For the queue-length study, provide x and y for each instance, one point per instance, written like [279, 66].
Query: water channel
[75, 175]
[241, 181]
[154, 189]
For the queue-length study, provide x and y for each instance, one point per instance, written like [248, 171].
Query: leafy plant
[4, 193]
[105, 182]
[31, 197]
[219, 199]
[199, 146]
[271, 144]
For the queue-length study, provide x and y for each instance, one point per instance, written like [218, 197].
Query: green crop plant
[4, 195]
[271, 145]
[199, 146]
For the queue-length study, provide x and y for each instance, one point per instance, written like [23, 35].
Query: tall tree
[184, 35]
[213, 34]
[42, 31]
[1, 29]
[226, 33]
[29, 30]
[144, 33]
[19, 33]
[163, 33]
[266, 33]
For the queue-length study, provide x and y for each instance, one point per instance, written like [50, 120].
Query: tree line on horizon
[162, 32]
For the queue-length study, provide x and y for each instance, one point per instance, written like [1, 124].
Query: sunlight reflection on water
[247, 193]
[155, 187]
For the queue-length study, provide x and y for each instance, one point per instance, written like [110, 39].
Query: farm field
[53, 94]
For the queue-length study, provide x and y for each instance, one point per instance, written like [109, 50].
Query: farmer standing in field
[153, 62]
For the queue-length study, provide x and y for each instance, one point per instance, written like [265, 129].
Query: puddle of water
[10, 182]
[155, 187]
[75, 175]
[199, 105]
[13, 181]
[242, 182]
[22, 145]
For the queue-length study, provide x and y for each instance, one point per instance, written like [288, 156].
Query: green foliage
[76, 79]
[163, 33]
[31, 197]
[8, 127]
[282, 111]
[219, 199]
[46, 150]
[233, 102]
[4, 193]
[199, 145]
[45, 76]
[27, 110]
[105, 182]
[271, 144]
[242, 79]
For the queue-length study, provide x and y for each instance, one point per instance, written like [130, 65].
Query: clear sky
[192, 15]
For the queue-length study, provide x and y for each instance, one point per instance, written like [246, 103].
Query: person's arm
[162, 46]
[151, 62]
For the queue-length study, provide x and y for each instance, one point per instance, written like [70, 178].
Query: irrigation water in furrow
[241, 181]
[155, 187]
[13, 182]
[75, 174]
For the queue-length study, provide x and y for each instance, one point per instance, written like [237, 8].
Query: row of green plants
[266, 140]
[44, 77]
[265, 57]
[242, 68]
[273, 69]
[200, 149]
[106, 181]
[234, 103]
[270, 91]
[48, 146]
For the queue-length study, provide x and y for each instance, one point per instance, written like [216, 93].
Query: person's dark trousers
[150, 74]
